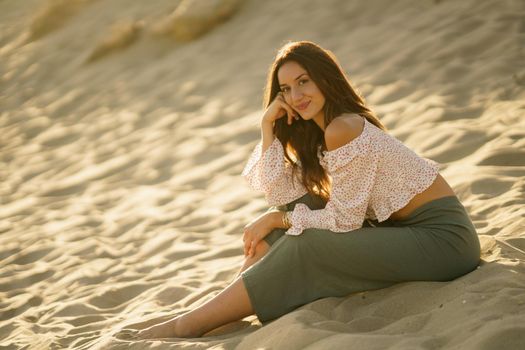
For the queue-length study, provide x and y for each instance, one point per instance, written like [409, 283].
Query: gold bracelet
[286, 220]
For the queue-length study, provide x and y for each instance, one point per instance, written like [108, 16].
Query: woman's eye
[303, 81]
[283, 90]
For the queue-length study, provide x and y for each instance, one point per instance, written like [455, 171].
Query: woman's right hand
[278, 109]
[255, 231]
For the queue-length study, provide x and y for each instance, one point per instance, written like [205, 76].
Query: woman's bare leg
[232, 304]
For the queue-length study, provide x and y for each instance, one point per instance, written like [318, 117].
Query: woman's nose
[296, 94]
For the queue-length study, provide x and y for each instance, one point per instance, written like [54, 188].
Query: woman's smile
[303, 106]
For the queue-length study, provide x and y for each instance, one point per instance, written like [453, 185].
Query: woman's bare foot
[174, 328]
[231, 304]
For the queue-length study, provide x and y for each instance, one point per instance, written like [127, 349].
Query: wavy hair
[302, 139]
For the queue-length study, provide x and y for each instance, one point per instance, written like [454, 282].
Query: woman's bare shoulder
[342, 130]
[351, 118]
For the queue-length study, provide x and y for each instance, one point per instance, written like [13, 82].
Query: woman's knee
[297, 245]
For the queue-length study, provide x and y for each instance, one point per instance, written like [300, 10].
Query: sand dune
[121, 200]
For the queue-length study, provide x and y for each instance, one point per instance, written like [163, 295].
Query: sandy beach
[125, 125]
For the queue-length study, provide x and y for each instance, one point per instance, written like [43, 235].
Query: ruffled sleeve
[353, 169]
[271, 174]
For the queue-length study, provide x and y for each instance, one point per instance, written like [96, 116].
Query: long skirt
[437, 242]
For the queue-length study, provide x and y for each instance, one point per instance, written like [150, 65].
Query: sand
[121, 148]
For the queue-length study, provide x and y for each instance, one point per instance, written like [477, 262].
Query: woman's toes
[152, 332]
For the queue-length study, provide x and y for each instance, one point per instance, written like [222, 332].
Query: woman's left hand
[255, 231]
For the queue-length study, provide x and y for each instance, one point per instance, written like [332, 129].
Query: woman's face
[300, 92]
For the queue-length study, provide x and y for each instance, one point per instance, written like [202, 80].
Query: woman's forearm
[266, 135]
[277, 219]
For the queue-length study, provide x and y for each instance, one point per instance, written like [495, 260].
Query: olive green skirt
[437, 242]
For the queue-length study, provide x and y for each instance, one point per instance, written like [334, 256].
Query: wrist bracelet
[286, 220]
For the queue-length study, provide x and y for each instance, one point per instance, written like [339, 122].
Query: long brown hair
[302, 139]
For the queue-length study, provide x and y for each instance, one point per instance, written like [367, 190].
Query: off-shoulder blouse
[373, 176]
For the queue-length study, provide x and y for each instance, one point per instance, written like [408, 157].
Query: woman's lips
[303, 106]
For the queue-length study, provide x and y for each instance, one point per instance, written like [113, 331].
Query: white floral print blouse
[372, 176]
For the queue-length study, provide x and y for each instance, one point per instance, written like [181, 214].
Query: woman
[353, 209]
